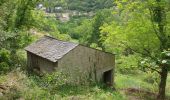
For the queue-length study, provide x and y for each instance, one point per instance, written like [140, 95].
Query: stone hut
[49, 54]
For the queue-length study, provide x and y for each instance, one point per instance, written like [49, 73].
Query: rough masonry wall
[36, 62]
[84, 62]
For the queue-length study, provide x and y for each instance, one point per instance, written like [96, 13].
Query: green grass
[30, 89]
[96, 93]
[143, 82]
[134, 81]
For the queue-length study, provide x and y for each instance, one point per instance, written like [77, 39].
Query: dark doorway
[107, 78]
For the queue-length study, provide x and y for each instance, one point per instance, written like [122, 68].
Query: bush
[55, 79]
[4, 55]
[128, 64]
[4, 61]
[4, 67]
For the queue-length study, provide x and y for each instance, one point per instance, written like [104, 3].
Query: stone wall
[81, 63]
[84, 62]
[43, 65]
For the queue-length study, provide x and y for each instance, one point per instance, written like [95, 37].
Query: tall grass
[32, 88]
[135, 81]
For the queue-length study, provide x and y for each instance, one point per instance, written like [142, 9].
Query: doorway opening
[107, 78]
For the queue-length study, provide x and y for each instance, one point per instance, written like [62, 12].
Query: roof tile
[50, 48]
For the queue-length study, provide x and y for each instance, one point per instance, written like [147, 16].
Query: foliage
[83, 31]
[29, 87]
[24, 13]
[47, 25]
[44, 23]
[17, 13]
[79, 5]
[136, 30]
[128, 64]
[87, 30]
[165, 55]
[14, 15]
[55, 79]
[4, 60]
[4, 67]
[143, 28]
[100, 18]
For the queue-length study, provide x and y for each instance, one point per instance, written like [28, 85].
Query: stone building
[49, 54]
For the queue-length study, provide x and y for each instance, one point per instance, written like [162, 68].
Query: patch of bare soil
[139, 94]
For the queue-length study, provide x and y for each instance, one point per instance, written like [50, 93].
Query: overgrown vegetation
[136, 30]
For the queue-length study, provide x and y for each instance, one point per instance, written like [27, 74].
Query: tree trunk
[162, 85]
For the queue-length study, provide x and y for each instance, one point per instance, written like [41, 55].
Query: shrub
[55, 79]
[4, 61]
[128, 64]
[4, 55]
[4, 67]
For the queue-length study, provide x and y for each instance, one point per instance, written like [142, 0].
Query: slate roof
[50, 48]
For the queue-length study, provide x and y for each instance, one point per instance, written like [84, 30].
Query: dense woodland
[137, 31]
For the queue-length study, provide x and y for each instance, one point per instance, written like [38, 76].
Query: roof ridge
[49, 36]
[79, 44]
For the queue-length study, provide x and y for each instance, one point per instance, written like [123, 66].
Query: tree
[143, 27]
[15, 21]
[24, 13]
[83, 31]
[101, 17]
